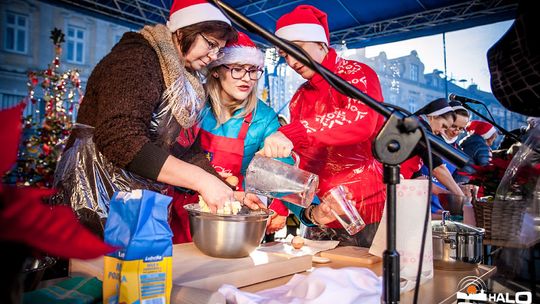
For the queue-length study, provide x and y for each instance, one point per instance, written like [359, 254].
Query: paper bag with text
[141, 270]
[410, 212]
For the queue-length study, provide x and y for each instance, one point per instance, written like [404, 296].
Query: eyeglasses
[457, 129]
[239, 73]
[213, 48]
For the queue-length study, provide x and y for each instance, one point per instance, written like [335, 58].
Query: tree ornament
[57, 36]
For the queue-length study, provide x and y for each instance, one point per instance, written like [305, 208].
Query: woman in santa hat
[480, 138]
[437, 117]
[139, 98]
[234, 126]
[477, 144]
[331, 132]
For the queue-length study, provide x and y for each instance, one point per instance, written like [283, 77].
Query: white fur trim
[303, 32]
[489, 133]
[441, 111]
[241, 55]
[194, 14]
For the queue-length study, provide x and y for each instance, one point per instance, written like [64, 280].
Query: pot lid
[451, 227]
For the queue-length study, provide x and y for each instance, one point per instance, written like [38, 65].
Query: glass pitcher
[269, 177]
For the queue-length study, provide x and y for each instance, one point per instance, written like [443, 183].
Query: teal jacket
[264, 123]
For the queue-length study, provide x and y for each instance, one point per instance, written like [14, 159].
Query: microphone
[463, 99]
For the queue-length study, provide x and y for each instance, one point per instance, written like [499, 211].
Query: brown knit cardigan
[122, 92]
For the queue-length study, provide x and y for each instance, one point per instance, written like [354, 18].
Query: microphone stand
[393, 144]
[491, 121]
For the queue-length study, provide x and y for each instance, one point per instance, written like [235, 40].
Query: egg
[297, 242]
[232, 180]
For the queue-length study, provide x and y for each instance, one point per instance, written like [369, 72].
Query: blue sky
[466, 52]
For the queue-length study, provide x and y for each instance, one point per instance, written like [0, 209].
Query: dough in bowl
[229, 208]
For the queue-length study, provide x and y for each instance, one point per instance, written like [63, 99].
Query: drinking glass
[344, 209]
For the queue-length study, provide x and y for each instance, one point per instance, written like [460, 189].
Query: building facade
[25, 44]
[405, 83]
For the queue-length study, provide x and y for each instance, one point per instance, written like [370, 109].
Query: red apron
[226, 156]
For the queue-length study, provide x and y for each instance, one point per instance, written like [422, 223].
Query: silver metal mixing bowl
[227, 236]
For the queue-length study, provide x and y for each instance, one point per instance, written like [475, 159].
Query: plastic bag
[410, 212]
[517, 200]
[521, 176]
[86, 180]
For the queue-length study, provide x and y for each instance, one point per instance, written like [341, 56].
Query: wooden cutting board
[351, 254]
[194, 269]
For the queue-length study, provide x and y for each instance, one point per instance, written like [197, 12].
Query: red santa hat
[482, 128]
[304, 23]
[188, 12]
[242, 51]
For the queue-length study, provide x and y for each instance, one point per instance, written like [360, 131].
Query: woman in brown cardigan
[138, 99]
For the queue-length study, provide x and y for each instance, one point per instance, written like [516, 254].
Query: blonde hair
[213, 88]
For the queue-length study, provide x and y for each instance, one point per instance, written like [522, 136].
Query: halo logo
[476, 292]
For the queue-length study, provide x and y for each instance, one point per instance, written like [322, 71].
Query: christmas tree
[45, 134]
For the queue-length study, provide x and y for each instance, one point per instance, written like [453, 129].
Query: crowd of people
[173, 108]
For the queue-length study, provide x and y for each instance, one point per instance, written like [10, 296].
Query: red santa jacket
[333, 134]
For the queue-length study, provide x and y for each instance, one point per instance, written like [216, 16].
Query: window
[75, 44]
[414, 72]
[412, 103]
[10, 100]
[16, 32]
[436, 81]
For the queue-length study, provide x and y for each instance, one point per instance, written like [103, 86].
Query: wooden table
[441, 289]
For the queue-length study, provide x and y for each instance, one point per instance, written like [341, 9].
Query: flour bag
[141, 270]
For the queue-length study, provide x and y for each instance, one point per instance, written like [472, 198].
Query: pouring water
[272, 178]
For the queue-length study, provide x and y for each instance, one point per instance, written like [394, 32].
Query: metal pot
[456, 243]
[227, 236]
